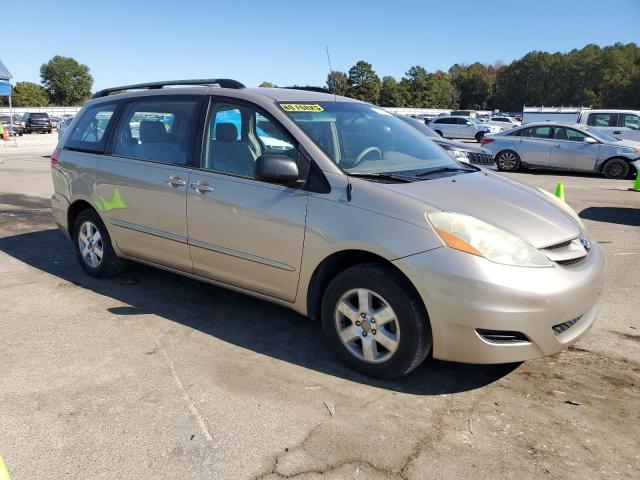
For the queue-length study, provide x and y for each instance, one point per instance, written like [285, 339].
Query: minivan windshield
[364, 139]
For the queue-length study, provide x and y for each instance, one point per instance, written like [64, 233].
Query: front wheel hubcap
[508, 161]
[90, 244]
[367, 325]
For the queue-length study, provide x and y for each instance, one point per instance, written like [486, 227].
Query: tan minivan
[331, 207]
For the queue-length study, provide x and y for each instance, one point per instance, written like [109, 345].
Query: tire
[616, 168]
[406, 330]
[508, 161]
[49, 131]
[439, 133]
[479, 136]
[109, 263]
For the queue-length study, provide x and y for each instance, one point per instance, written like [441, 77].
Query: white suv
[452, 126]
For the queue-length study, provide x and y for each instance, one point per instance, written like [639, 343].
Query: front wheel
[93, 246]
[508, 161]
[374, 319]
[616, 168]
[479, 136]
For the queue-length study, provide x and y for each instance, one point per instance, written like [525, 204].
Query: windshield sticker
[380, 111]
[301, 107]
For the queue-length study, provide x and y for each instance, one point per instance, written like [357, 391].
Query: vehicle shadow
[232, 317]
[618, 215]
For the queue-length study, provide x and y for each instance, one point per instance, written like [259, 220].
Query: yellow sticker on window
[301, 107]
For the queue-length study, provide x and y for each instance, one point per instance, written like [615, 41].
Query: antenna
[335, 100]
[328, 58]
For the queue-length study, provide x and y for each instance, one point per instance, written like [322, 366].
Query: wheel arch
[74, 210]
[338, 262]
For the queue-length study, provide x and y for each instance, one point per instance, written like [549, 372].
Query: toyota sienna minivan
[331, 207]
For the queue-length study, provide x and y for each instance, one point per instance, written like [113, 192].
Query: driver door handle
[201, 187]
[175, 181]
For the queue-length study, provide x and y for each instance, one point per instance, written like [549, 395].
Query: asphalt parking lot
[150, 375]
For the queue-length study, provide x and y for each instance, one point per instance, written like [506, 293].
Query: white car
[504, 121]
[454, 126]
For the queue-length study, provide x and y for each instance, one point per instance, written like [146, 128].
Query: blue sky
[284, 41]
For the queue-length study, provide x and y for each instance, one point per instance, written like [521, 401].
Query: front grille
[573, 261]
[563, 327]
[569, 252]
[480, 158]
[502, 336]
[559, 245]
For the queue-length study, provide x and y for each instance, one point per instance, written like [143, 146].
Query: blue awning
[5, 88]
[4, 73]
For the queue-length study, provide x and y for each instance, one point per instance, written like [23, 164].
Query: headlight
[565, 207]
[457, 153]
[470, 235]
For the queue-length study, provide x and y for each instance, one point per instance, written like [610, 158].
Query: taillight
[54, 157]
[484, 141]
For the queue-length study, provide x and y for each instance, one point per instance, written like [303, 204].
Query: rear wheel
[93, 246]
[616, 168]
[376, 322]
[508, 161]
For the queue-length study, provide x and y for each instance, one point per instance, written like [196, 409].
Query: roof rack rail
[309, 89]
[219, 82]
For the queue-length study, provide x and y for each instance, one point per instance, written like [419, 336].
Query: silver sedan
[563, 146]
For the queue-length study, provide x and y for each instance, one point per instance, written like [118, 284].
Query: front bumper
[39, 128]
[464, 293]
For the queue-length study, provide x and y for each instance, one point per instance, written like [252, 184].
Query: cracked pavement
[150, 375]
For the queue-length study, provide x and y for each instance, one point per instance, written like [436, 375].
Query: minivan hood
[508, 204]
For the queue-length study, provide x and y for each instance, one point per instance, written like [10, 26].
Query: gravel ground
[150, 375]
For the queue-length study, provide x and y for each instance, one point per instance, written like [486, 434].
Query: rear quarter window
[90, 132]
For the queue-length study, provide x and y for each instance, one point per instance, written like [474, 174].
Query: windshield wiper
[444, 169]
[381, 176]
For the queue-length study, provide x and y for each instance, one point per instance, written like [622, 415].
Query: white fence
[55, 111]
[417, 111]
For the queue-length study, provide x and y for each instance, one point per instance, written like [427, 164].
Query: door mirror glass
[276, 169]
[590, 140]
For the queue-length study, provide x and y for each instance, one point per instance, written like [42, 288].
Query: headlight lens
[565, 207]
[470, 235]
[457, 153]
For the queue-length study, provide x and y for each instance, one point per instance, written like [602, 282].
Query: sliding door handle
[201, 187]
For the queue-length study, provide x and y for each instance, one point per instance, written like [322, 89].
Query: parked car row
[32, 122]
[563, 146]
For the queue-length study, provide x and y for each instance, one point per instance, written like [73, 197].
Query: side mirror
[590, 140]
[276, 169]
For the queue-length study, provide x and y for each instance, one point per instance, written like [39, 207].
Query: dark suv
[37, 122]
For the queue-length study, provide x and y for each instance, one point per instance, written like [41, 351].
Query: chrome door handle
[175, 181]
[201, 187]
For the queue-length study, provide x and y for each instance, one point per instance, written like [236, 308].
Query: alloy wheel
[90, 244]
[367, 325]
[508, 161]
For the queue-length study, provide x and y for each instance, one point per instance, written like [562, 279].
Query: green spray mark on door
[102, 204]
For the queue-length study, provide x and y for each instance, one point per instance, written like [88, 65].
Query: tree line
[605, 77]
[64, 82]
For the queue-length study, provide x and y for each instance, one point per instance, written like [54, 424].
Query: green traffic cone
[560, 191]
[636, 185]
[4, 471]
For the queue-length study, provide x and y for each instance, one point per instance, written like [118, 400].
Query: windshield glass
[600, 134]
[362, 138]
